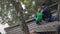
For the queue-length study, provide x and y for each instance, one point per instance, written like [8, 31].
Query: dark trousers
[48, 19]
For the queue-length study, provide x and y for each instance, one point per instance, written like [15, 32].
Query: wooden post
[59, 12]
[22, 22]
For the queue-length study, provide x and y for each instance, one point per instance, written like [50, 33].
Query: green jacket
[39, 16]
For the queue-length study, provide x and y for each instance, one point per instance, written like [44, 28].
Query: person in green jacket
[39, 16]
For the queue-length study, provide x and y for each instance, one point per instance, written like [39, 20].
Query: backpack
[53, 18]
[39, 16]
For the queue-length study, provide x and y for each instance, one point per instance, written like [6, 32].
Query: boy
[46, 13]
[39, 17]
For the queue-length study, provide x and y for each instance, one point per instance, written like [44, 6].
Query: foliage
[8, 14]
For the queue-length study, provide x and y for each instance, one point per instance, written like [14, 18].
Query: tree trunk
[22, 22]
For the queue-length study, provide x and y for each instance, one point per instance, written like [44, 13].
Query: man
[46, 13]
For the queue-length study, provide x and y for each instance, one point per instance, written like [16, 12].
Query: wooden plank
[53, 4]
[52, 26]
[58, 12]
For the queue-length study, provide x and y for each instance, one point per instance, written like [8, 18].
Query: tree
[19, 9]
